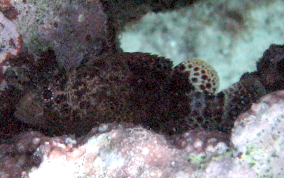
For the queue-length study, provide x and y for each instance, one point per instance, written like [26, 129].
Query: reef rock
[111, 150]
[74, 29]
[257, 138]
[123, 150]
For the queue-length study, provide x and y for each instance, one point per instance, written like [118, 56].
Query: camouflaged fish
[137, 88]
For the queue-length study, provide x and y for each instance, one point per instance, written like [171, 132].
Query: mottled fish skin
[218, 112]
[201, 75]
[77, 99]
[137, 88]
[212, 111]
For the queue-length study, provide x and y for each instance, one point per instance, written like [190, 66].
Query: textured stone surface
[257, 137]
[70, 28]
[123, 150]
[120, 152]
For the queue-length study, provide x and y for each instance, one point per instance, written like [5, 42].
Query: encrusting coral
[257, 137]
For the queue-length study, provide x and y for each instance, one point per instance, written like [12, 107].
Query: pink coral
[122, 152]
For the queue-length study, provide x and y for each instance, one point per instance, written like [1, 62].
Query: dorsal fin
[201, 75]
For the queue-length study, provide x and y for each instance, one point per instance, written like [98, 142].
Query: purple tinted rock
[128, 152]
[73, 29]
[257, 137]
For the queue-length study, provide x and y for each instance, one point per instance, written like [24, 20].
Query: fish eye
[47, 94]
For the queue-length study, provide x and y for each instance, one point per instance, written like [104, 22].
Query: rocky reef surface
[121, 150]
[73, 104]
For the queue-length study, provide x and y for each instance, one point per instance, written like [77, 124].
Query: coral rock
[73, 30]
[11, 44]
[113, 150]
[257, 137]
[123, 151]
[11, 40]
[271, 68]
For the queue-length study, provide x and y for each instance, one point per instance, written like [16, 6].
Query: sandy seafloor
[230, 35]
